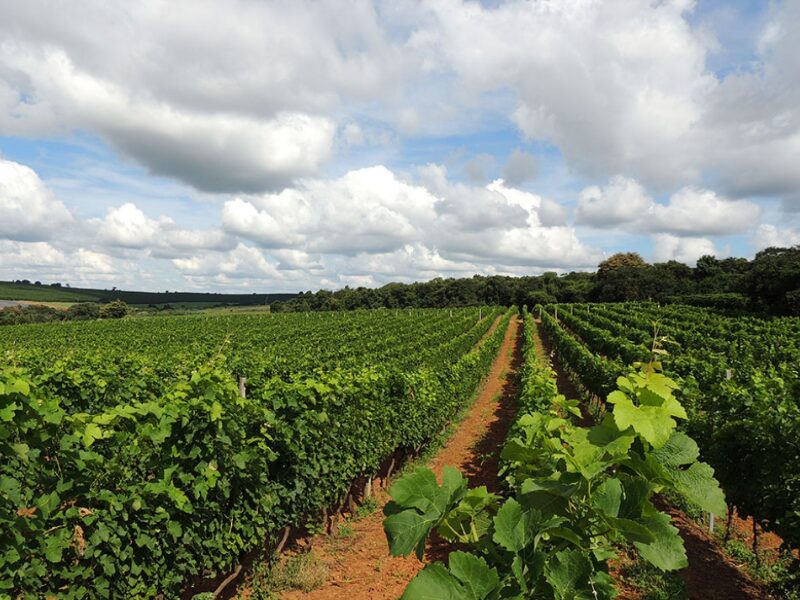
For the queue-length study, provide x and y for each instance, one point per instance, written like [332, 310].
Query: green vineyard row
[132, 462]
[741, 380]
[573, 495]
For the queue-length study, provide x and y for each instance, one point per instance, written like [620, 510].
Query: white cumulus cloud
[29, 209]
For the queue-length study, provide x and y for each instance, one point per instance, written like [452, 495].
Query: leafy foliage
[740, 389]
[113, 486]
[575, 494]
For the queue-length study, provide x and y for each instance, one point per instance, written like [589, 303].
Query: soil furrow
[359, 564]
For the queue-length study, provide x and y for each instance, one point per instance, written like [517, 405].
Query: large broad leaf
[698, 486]
[608, 436]
[407, 531]
[568, 573]
[666, 551]
[608, 497]
[471, 518]
[418, 489]
[434, 582]
[419, 504]
[696, 482]
[514, 526]
[679, 450]
[633, 531]
[477, 578]
[653, 423]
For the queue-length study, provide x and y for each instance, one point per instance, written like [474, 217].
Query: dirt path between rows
[711, 575]
[359, 564]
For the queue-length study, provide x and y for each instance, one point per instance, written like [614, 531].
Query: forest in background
[770, 283]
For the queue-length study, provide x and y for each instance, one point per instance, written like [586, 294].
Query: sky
[279, 146]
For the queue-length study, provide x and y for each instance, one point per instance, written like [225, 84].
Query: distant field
[44, 293]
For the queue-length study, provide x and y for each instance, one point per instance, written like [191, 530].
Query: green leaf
[54, 553]
[434, 582]
[216, 411]
[7, 412]
[698, 486]
[407, 530]
[175, 530]
[679, 450]
[666, 551]
[566, 534]
[514, 527]
[633, 531]
[19, 386]
[91, 433]
[608, 497]
[568, 573]
[653, 423]
[478, 579]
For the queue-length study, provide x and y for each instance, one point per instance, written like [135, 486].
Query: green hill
[51, 293]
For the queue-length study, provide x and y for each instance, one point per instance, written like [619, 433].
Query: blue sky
[400, 141]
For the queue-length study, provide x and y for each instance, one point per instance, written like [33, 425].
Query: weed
[305, 572]
[653, 583]
[370, 506]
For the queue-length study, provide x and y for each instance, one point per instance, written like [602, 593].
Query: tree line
[769, 283]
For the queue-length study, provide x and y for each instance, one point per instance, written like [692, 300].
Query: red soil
[360, 565]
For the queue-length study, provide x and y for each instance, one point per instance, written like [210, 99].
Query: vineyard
[139, 454]
[741, 383]
[142, 455]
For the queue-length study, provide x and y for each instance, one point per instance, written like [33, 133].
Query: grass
[781, 576]
[41, 293]
[304, 571]
[653, 583]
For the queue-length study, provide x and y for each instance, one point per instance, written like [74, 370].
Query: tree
[621, 260]
[774, 275]
[114, 310]
[83, 310]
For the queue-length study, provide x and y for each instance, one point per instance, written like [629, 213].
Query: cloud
[622, 201]
[683, 249]
[521, 167]
[244, 107]
[42, 260]
[272, 91]
[366, 210]
[240, 262]
[616, 86]
[127, 226]
[697, 211]
[477, 169]
[372, 212]
[767, 236]
[690, 211]
[30, 211]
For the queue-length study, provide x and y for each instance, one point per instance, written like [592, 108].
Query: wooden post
[540, 311]
[556, 312]
[755, 541]
[728, 374]
[243, 386]
[389, 470]
[711, 522]
[480, 314]
[368, 487]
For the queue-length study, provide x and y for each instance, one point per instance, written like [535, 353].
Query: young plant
[576, 494]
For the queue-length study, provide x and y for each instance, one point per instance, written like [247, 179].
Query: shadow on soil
[482, 466]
